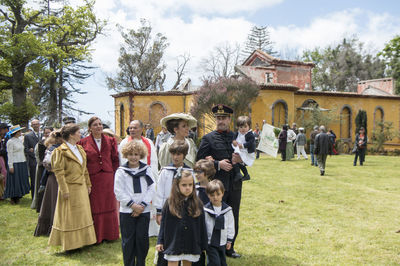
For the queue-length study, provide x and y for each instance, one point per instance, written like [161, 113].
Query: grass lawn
[290, 215]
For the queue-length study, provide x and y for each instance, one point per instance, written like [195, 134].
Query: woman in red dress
[102, 162]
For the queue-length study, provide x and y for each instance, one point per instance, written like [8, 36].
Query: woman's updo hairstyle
[54, 138]
[173, 123]
[68, 130]
[92, 119]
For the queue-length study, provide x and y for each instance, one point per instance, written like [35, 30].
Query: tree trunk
[52, 110]
[19, 93]
[60, 96]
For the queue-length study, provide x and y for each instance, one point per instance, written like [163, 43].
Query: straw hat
[15, 129]
[192, 122]
[109, 132]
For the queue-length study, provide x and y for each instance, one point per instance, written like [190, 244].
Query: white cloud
[223, 7]
[371, 28]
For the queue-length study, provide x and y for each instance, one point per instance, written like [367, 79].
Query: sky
[195, 27]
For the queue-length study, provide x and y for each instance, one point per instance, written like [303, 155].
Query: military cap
[222, 110]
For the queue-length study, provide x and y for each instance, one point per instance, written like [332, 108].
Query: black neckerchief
[219, 222]
[136, 177]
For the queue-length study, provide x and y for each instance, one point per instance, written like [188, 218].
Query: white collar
[71, 146]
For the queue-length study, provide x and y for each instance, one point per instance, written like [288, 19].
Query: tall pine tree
[259, 38]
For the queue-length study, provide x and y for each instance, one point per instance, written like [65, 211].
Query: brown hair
[54, 138]
[176, 198]
[243, 120]
[134, 147]
[173, 123]
[206, 166]
[179, 147]
[68, 130]
[92, 119]
[214, 186]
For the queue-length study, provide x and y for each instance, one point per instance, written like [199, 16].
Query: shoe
[246, 177]
[233, 254]
[354, 164]
[322, 172]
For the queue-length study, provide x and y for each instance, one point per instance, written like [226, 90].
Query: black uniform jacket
[186, 235]
[219, 146]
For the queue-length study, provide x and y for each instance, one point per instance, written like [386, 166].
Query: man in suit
[217, 146]
[30, 141]
[322, 148]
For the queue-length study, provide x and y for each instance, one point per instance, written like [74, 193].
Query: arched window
[310, 103]
[345, 122]
[122, 120]
[378, 116]
[156, 112]
[279, 113]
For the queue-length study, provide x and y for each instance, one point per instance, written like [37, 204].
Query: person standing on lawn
[282, 138]
[17, 183]
[102, 162]
[217, 146]
[313, 134]
[300, 142]
[30, 141]
[73, 223]
[322, 148]
[361, 144]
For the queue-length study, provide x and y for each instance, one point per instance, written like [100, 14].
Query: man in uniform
[217, 146]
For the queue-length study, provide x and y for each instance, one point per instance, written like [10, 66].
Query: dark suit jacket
[250, 144]
[30, 141]
[322, 144]
[219, 146]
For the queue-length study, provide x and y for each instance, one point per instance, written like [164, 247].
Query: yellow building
[277, 103]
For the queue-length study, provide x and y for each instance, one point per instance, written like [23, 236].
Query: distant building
[285, 96]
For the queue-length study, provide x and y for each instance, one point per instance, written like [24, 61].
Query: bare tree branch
[181, 63]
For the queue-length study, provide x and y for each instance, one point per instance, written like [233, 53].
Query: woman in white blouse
[17, 179]
[178, 125]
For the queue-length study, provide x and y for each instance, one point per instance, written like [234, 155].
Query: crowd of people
[322, 143]
[92, 189]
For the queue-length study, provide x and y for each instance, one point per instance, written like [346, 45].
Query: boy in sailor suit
[134, 188]
[220, 224]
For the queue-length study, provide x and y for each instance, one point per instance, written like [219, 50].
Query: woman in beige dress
[73, 224]
[178, 125]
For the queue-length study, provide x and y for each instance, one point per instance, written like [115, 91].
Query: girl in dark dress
[183, 232]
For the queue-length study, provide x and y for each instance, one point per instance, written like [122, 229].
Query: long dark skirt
[46, 216]
[17, 183]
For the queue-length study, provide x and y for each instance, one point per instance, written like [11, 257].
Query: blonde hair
[134, 147]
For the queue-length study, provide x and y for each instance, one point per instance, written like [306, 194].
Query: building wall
[386, 84]
[151, 108]
[297, 75]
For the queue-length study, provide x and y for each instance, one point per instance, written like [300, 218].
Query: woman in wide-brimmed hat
[17, 178]
[178, 125]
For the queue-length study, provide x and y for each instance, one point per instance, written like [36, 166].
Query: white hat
[192, 122]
